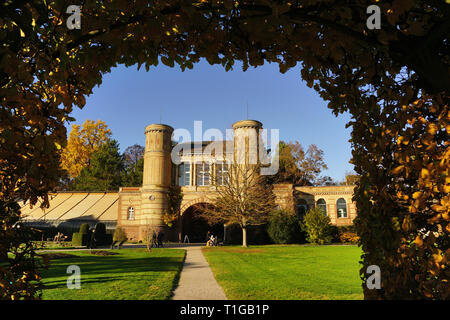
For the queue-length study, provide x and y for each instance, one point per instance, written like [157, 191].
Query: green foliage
[284, 227]
[119, 235]
[318, 226]
[133, 175]
[84, 228]
[19, 271]
[80, 239]
[100, 229]
[105, 170]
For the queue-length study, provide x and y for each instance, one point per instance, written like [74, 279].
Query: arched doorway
[196, 227]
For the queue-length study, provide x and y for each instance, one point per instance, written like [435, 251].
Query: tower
[246, 141]
[157, 175]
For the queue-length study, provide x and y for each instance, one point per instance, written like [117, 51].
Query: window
[184, 177]
[222, 173]
[130, 213]
[322, 205]
[202, 169]
[341, 208]
[302, 207]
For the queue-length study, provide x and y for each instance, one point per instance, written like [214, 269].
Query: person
[186, 239]
[57, 237]
[91, 244]
[154, 241]
[208, 236]
[160, 239]
[211, 241]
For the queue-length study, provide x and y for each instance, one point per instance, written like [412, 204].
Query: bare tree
[243, 198]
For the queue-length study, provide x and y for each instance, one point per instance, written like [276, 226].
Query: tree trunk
[244, 236]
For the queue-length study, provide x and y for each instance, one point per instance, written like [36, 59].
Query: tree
[132, 155]
[104, 171]
[394, 81]
[242, 199]
[82, 143]
[318, 226]
[174, 199]
[19, 277]
[284, 227]
[350, 179]
[134, 166]
[133, 175]
[297, 166]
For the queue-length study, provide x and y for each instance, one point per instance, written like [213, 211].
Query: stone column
[157, 175]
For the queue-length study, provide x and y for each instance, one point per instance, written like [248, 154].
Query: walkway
[197, 281]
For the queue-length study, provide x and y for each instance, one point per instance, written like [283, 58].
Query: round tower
[157, 176]
[246, 141]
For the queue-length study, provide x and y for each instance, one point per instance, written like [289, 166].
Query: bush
[119, 235]
[348, 237]
[80, 239]
[100, 229]
[84, 228]
[318, 227]
[285, 228]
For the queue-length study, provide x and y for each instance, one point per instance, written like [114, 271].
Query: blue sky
[128, 100]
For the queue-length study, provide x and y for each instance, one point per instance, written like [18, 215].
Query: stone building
[135, 209]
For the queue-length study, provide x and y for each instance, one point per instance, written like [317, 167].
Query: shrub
[84, 228]
[285, 228]
[119, 235]
[348, 237]
[317, 226]
[80, 239]
[100, 229]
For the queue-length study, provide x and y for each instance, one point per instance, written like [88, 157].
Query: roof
[100, 206]
[197, 147]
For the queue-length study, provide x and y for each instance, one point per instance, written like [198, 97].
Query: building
[135, 209]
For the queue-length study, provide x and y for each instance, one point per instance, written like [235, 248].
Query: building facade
[203, 163]
[199, 164]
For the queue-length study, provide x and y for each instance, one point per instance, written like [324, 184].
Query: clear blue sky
[128, 100]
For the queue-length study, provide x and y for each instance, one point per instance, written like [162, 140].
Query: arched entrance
[196, 227]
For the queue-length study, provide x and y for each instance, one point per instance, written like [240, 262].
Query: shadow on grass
[103, 269]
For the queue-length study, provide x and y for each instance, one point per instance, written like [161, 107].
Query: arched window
[130, 213]
[322, 205]
[302, 207]
[341, 208]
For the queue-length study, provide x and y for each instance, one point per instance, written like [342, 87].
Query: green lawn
[287, 272]
[132, 274]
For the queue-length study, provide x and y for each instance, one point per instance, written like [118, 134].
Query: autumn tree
[82, 143]
[243, 198]
[298, 166]
[350, 179]
[105, 171]
[394, 81]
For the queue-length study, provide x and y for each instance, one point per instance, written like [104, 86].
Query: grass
[132, 274]
[292, 272]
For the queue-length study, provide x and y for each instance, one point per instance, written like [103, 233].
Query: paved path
[197, 281]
